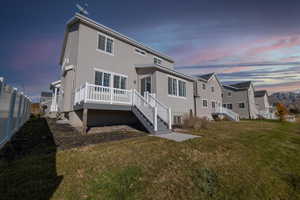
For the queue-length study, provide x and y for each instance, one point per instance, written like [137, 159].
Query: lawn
[245, 160]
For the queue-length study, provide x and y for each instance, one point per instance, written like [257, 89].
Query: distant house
[208, 95]
[261, 100]
[240, 98]
[45, 101]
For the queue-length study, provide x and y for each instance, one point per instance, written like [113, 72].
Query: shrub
[281, 111]
[196, 123]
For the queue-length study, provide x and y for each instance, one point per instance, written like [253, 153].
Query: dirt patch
[66, 137]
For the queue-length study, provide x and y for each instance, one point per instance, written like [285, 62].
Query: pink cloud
[282, 43]
[282, 87]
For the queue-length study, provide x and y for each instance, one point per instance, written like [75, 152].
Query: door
[146, 85]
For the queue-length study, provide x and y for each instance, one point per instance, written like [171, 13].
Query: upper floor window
[229, 94]
[212, 89]
[140, 52]
[105, 43]
[157, 61]
[203, 86]
[176, 87]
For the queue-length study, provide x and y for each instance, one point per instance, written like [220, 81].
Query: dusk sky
[239, 40]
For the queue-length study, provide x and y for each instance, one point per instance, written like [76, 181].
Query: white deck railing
[149, 105]
[267, 114]
[228, 112]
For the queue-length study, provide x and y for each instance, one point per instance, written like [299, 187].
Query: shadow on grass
[28, 163]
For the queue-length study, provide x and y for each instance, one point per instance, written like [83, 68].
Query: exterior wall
[207, 94]
[122, 61]
[67, 78]
[179, 105]
[236, 98]
[262, 102]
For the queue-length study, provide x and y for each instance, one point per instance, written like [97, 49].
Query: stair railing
[145, 107]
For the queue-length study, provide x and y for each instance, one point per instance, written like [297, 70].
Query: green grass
[245, 160]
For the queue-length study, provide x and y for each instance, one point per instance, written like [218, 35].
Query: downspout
[248, 104]
[195, 96]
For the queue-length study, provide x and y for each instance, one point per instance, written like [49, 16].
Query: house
[55, 87]
[45, 101]
[240, 98]
[108, 78]
[208, 95]
[263, 106]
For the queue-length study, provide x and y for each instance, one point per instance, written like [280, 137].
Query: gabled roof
[83, 19]
[166, 70]
[239, 86]
[260, 93]
[206, 76]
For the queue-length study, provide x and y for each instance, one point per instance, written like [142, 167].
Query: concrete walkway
[178, 137]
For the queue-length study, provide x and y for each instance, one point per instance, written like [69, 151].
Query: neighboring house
[45, 101]
[208, 95]
[109, 78]
[261, 100]
[263, 106]
[240, 98]
[55, 88]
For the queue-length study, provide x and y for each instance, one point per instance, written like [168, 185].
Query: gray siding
[262, 102]
[242, 96]
[207, 94]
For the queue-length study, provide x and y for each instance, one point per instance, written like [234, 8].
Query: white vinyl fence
[14, 111]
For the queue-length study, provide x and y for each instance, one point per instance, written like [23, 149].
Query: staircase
[155, 116]
[226, 112]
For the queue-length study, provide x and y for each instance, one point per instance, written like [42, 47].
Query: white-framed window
[110, 79]
[203, 86]
[242, 105]
[212, 89]
[176, 87]
[139, 51]
[224, 105]
[229, 94]
[105, 44]
[204, 103]
[157, 61]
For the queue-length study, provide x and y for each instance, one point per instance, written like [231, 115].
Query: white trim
[110, 72]
[161, 60]
[105, 43]
[177, 83]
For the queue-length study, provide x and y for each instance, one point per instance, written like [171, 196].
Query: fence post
[111, 95]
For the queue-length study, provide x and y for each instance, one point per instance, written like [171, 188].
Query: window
[212, 89]
[229, 94]
[119, 82]
[213, 104]
[157, 61]
[224, 105]
[176, 87]
[177, 119]
[110, 79]
[242, 105]
[203, 86]
[102, 79]
[146, 85]
[141, 52]
[182, 88]
[229, 106]
[105, 44]
[204, 103]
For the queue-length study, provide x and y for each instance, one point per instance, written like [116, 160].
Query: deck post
[84, 121]
[155, 119]
[170, 119]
